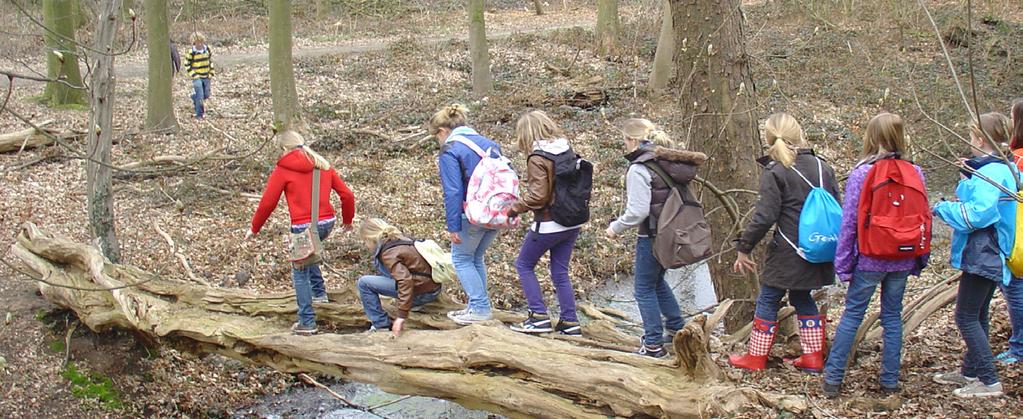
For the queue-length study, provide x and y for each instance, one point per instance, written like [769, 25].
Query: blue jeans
[653, 295]
[470, 266]
[202, 92]
[857, 298]
[1013, 294]
[371, 287]
[769, 302]
[309, 280]
[973, 320]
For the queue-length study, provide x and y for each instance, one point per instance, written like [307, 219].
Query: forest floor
[366, 93]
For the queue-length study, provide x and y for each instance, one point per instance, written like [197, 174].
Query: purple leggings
[560, 245]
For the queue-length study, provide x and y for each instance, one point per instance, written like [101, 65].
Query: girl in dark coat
[788, 172]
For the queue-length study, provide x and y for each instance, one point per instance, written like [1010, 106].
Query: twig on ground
[381, 405]
[67, 343]
[174, 250]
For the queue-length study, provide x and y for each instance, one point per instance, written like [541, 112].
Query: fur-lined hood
[649, 152]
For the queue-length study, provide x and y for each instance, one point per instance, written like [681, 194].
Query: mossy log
[485, 366]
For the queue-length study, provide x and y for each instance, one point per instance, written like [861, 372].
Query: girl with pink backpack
[462, 149]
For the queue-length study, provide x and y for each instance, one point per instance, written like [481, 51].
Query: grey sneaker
[469, 317]
[979, 389]
[669, 336]
[373, 329]
[954, 379]
[830, 391]
[301, 330]
[321, 300]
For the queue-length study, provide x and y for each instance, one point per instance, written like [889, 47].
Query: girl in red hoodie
[293, 176]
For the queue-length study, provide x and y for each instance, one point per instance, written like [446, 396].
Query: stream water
[692, 287]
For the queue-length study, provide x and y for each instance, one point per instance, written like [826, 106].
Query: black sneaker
[888, 391]
[652, 351]
[569, 328]
[830, 390]
[535, 323]
[669, 337]
[301, 330]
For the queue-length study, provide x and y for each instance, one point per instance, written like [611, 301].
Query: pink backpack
[493, 188]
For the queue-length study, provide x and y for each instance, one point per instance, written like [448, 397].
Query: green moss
[94, 386]
[57, 346]
[82, 107]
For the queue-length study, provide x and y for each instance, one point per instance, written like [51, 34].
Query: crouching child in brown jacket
[404, 275]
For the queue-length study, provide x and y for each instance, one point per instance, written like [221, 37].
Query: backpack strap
[820, 174]
[314, 221]
[472, 146]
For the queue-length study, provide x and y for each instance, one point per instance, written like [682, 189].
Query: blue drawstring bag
[819, 222]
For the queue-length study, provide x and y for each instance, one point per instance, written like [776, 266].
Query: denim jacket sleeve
[454, 190]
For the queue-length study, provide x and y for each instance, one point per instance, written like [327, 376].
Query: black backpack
[573, 182]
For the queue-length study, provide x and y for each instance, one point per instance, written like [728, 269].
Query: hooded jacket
[779, 204]
[293, 176]
[456, 163]
[400, 261]
[539, 195]
[647, 192]
[982, 207]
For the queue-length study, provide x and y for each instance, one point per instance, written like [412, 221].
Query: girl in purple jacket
[884, 137]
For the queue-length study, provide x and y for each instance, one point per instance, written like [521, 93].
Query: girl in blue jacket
[469, 242]
[983, 224]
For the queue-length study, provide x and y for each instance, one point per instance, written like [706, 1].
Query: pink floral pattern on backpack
[493, 188]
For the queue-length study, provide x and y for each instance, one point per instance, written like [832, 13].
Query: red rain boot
[811, 339]
[760, 340]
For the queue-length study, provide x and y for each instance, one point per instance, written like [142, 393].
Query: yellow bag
[1015, 259]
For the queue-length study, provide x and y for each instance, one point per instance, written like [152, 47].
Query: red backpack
[894, 216]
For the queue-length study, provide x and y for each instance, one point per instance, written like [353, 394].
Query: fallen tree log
[484, 366]
[32, 138]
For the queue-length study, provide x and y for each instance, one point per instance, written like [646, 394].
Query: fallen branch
[485, 366]
[309, 380]
[33, 137]
[178, 255]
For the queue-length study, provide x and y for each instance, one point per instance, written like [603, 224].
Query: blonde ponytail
[784, 134]
[375, 232]
[290, 140]
[644, 130]
[452, 116]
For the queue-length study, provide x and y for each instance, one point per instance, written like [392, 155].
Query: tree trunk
[478, 50]
[715, 89]
[607, 26]
[538, 7]
[663, 67]
[99, 183]
[282, 70]
[484, 366]
[159, 99]
[321, 10]
[59, 17]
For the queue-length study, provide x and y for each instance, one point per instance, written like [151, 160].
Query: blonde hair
[290, 140]
[452, 116]
[198, 37]
[784, 134]
[885, 132]
[377, 232]
[994, 126]
[643, 130]
[535, 126]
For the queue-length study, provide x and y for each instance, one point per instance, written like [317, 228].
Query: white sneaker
[456, 313]
[954, 378]
[979, 389]
[470, 317]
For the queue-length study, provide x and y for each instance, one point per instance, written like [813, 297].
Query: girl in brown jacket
[404, 275]
[539, 136]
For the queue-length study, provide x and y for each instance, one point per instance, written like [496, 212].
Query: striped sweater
[198, 63]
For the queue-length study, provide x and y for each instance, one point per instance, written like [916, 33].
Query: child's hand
[397, 326]
[248, 235]
[611, 233]
[454, 237]
[744, 263]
